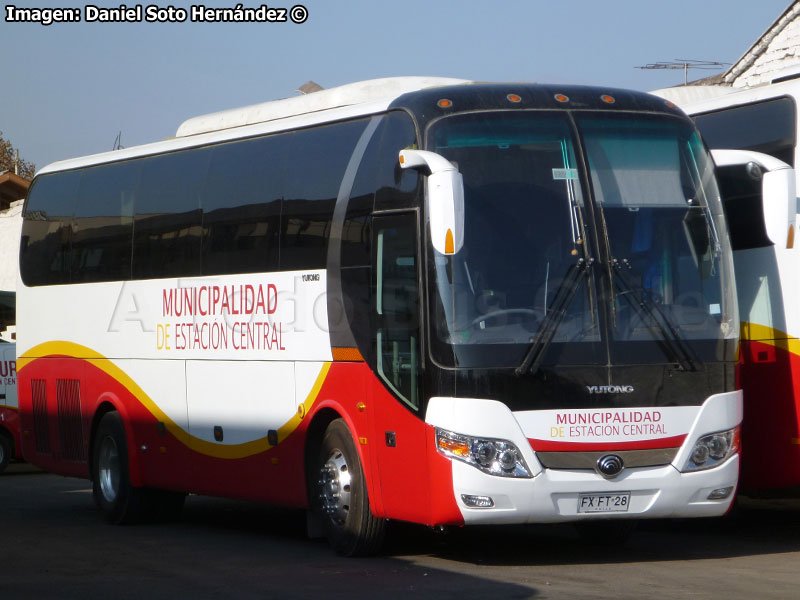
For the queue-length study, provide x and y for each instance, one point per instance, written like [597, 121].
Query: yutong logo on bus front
[610, 389]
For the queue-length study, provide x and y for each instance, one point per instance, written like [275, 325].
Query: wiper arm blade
[643, 303]
[555, 314]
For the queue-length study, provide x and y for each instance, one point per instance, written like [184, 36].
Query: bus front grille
[588, 460]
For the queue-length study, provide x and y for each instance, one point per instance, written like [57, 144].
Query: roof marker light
[514, 98]
[561, 98]
[670, 104]
[444, 103]
[607, 99]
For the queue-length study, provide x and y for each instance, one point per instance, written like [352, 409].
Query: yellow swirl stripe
[753, 332]
[77, 351]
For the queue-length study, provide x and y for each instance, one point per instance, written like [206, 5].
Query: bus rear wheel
[6, 451]
[339, 496]
[120, 502]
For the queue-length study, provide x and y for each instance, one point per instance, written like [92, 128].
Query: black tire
[606, 532]
[120, 502]
[339, 496]
[6, 451]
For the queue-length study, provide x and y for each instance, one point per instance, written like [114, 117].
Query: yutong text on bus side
[467, 279]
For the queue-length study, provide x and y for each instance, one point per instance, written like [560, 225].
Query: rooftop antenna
[686, 64]
[118, 142]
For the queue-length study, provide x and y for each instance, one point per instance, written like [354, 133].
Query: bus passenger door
[398, 428]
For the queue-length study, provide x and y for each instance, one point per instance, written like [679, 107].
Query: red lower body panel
[770, 378]
[62, 397]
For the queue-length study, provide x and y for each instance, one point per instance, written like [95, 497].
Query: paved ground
[54, 544]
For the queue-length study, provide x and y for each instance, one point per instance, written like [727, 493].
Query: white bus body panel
[266, 357]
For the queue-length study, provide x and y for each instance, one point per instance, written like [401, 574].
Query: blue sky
[68, 89]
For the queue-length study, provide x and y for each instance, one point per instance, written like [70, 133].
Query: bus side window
[316, 160]
[768, 126]
[102, 235]
[242, 206]
[397, 304]
[47, 229]
[167, 223]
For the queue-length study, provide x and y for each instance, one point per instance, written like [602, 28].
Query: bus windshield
[625, 263]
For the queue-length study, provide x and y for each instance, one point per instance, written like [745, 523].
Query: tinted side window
[355, 231]
[397, 188]
[166, 230]
[316, 160]
[46, 230]
[103, 223]
[767, 127]
[743, 206]
[241, 206]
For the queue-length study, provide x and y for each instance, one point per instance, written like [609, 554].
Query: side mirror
[778, 194]
[780, 205]
[444, 202]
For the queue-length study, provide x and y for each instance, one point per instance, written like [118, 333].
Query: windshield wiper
[553, 317]
[644, 305]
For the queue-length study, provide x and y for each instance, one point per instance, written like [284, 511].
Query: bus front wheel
[120, 502]
[340, 496]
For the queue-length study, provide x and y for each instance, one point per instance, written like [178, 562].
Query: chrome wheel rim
[108, 468]
[335, 483]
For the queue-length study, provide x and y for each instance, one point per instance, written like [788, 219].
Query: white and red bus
[425, 300]
[761, 124]
[9, 421]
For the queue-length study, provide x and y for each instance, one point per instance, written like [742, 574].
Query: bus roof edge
[344, 95]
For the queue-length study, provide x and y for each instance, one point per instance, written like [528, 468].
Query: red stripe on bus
[549, 446]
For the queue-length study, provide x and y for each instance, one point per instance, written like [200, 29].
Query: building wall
[776, 51]
[10, 230]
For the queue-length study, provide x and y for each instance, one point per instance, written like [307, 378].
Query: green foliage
[7, 157]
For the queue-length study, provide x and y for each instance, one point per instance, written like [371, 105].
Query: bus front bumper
[566, 495]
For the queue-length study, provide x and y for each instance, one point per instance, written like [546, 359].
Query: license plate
[594, 503]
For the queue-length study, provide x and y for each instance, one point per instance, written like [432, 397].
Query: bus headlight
[713, 449]
[492, 456]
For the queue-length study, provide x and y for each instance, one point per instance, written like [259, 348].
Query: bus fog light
[720, 493]
[477, 501]
[495, 457]
[712, 449]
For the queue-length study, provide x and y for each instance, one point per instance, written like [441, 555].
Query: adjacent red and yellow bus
[432, 301]
[759, 189]
[9, 419]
